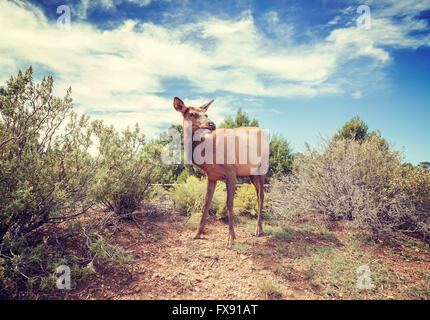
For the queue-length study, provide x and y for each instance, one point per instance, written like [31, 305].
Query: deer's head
[197, 116]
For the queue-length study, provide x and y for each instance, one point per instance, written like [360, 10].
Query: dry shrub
[245, 200]
[128, 166]
[46, 174]
[362, 181]
[190, 197]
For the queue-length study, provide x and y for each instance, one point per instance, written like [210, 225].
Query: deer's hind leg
[258, 182]
[208, 199]
[231, 186]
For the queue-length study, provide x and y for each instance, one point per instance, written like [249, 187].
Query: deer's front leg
[231, 186]
[208, 199]
[259, 228]
[258, 182]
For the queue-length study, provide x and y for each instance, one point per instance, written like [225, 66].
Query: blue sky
[302, 68]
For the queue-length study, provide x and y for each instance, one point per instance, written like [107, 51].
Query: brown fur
[224, 171]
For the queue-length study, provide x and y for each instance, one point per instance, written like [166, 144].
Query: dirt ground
[303, 261]
[169, 264]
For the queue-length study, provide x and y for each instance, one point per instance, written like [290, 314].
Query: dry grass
[305, 259]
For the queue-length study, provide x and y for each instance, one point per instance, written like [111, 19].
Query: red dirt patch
[168, 264]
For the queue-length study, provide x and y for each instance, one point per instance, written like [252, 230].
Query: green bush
[188, 171]
[29, 265]
[44, 174]
[245, 201]
[45, 179]
[281, 157]
[358, 180]
[128, 166]
[190, 197]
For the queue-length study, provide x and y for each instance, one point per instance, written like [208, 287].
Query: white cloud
[124, 69]
[272, 17]
[357, 95]
[335, 20]
[85, 5]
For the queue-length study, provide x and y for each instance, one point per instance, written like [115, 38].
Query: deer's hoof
[258, 233]
[231, 240]
[196, 237]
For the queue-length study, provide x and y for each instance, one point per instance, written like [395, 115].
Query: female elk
[246, 154]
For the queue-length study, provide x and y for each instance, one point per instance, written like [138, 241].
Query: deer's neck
[190, 144]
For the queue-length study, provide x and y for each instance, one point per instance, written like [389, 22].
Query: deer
[224, 161]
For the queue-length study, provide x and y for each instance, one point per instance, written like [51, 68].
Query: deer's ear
[179, 105]
[206, 105]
